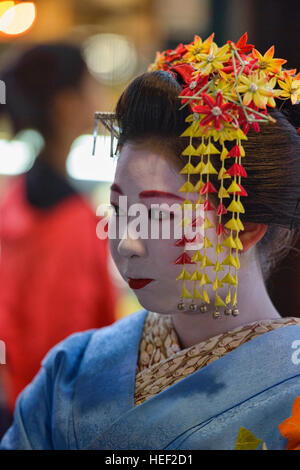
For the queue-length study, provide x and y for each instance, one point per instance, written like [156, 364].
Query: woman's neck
[254, 304]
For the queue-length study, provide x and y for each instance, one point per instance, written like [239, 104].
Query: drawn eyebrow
[115, 187]
[155, 193]
[148, 194]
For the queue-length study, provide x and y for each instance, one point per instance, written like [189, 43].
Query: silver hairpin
[108, 120]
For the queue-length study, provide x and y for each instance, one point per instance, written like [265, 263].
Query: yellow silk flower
[266, 62]
[291, 88]
[197, 47]
[254, 89]
[213, 60]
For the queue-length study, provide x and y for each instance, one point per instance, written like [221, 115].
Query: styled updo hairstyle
[34, 78]
[148, 109]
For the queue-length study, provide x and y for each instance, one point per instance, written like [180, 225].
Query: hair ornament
[108, 121]
[228, 91]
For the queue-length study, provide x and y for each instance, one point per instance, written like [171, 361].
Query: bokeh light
[18, 155]
[111, 57]
[82, 165]
[7, 14]
[16, 19]
[4, 6]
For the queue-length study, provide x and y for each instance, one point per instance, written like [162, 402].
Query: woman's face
[147, 177]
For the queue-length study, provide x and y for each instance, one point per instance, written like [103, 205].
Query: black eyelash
[116, 208]
[171, 215]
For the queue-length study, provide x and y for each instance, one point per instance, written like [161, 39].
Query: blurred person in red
[54, 271]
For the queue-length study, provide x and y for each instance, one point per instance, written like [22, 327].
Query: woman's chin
[161, 297]
[158, 305]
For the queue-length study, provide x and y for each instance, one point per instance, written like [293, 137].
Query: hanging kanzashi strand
[228, 91]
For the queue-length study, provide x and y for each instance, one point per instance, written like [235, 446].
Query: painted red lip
[138, 283]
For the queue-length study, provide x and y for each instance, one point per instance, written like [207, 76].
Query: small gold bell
[216, 314]
[181, 306]
[203, 308]
[227, 311]
[193, 307]
[235, 312]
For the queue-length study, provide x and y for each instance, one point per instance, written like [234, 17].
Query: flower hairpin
[108, 121]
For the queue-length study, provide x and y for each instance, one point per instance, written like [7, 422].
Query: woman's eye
[157, 214]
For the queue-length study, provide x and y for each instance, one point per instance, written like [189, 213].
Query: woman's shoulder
[77, 366]
[95, 344]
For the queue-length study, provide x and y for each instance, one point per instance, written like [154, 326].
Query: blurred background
[118, 40]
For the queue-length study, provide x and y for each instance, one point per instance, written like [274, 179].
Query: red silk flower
[242, 45]
[215, 110]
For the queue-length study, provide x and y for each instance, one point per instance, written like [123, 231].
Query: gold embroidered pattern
[161, 363]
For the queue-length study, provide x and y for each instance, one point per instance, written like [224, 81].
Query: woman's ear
[252, 234]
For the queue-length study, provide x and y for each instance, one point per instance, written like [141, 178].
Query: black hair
[149, 108]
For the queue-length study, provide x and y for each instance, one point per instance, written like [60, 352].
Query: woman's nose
[130, 244]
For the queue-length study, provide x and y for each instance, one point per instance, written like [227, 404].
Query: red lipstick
[138, 283]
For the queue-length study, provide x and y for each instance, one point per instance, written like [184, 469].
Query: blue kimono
[83, 396]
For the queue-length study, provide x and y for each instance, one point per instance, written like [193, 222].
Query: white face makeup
[139, 171]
